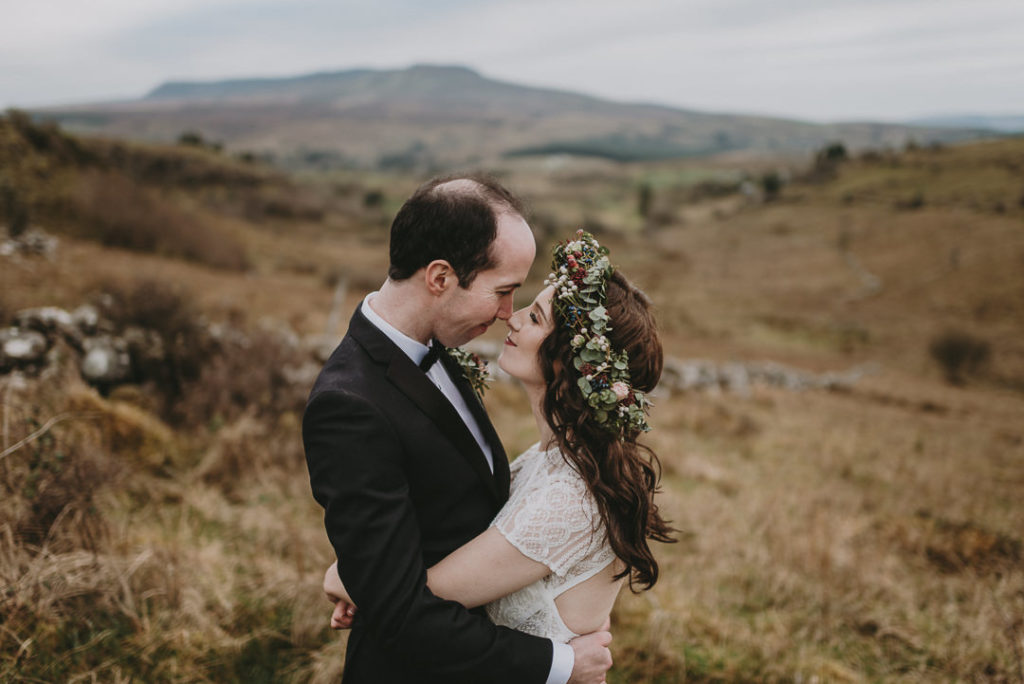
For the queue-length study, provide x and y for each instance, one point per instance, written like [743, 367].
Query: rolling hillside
[444, 116]
[162, 529]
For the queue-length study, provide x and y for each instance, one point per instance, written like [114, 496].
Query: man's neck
[401, 305]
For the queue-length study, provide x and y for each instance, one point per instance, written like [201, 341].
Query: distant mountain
[449, 115]
[1003, 124]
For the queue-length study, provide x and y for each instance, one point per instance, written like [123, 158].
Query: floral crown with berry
[580, 274]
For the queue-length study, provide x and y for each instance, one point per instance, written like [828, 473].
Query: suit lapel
[476, 407]
[413, 383]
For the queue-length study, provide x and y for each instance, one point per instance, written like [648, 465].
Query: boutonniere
[473, 367]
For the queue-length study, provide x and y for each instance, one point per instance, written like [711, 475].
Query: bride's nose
[513, 321]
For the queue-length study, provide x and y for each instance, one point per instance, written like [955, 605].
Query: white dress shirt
[564, 658]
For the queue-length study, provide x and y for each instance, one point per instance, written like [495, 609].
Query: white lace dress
[551, 518]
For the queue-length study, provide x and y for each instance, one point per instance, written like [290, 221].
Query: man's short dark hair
[457, 224]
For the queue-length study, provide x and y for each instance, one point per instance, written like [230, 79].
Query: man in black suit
[406, 463]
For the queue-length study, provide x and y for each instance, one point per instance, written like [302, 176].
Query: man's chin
[478, 331]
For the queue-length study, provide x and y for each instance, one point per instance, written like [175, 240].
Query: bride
[581, 511]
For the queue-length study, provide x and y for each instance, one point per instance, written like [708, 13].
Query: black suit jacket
[403, 484]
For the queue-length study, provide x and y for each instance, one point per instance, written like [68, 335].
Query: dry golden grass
[869, 535]
[862, 536]
[202, 573]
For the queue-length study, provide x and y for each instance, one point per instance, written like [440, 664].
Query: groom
[404, 459]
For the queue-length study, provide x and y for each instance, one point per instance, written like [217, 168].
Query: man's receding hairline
[470, 187]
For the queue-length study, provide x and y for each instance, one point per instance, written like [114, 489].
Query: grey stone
[44, 319]
[86, 318]
[33, 242]
[106, 360]
[21, 347]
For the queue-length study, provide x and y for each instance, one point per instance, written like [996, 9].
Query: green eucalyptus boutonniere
[474, 368]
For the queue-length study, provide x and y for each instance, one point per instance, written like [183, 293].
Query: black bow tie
[436, 349]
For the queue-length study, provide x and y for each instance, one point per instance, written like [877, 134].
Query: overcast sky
[811, 59]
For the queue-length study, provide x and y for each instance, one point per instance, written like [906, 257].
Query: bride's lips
[509, 342]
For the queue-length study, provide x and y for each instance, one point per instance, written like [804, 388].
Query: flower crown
[580, 277]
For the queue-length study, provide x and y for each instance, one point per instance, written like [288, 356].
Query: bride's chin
[503, 365]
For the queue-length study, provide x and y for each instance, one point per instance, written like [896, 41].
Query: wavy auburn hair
[621, 474]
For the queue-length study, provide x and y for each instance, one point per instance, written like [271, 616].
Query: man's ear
[439, 277]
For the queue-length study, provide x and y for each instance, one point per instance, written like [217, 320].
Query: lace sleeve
[551, 518]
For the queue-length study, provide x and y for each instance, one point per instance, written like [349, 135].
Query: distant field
[866, 535]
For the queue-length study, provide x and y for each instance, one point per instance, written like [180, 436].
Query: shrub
[191, 139]
[959, 354]
[826, 163]
[118, 212]
[911, 203]
[836, 152]
[13, 211]
[771, 184]
[243, 375]
[710, 189]
[167, 311]
[48, 138]
[643, 200]
[154, 304]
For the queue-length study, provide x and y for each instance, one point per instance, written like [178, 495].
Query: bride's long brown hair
[621, 474]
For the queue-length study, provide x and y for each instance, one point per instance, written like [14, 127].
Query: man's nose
[505, 308]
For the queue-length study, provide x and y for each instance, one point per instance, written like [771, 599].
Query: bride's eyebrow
[537, 307]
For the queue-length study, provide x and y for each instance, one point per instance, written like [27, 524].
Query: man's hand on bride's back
[593, 659]
[344, 610]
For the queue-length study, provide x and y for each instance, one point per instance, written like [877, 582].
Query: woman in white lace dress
[581, 512]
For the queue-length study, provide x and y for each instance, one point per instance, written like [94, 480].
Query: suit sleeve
[355, 467]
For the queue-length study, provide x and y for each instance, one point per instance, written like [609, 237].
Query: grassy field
[866, 535]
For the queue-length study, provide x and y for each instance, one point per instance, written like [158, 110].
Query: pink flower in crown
[621, 390]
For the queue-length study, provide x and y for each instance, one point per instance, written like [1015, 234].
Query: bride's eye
[533, 317]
